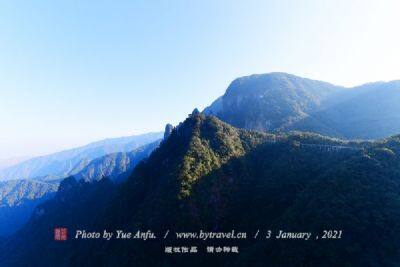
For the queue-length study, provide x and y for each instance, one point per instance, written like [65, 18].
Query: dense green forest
[209, 175]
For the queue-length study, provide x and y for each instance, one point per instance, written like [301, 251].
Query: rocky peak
[168, 131]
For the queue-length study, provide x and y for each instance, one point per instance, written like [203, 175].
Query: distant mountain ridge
[5, 163]
[285, 102]
[72, 161]
[18, 198]
[209, 175]
[116, 166]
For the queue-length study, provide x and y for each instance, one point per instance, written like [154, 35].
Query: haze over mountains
[69, 162]
[18, 198]
[271, 102]
[5, 163]
[116, 166]
[209, 175]
[284, 102]
[244, 163]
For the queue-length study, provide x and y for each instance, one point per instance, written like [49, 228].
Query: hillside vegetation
[209, 175]
[282, 102]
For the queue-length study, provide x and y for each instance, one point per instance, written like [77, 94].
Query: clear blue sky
[72, 72]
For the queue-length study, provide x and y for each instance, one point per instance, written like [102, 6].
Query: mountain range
[18, 198]
[115, 166]
[72, 161]
[285, 102]
[209, 175]
[276, 152]
[5, 163]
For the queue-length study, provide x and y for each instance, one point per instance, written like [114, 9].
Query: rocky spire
[168, 130]
[195, 112]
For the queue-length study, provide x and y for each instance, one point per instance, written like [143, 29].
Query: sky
[73, 72]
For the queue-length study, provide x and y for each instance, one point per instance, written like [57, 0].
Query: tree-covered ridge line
[72, 161]
[19, 198]
[209, 175]
[284, 102]
[16, 191]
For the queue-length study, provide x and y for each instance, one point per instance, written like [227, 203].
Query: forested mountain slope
[18, 198]
[284, 102]
[209, 175]
[72, 161]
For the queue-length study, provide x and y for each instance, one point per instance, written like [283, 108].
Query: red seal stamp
[60, 234]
